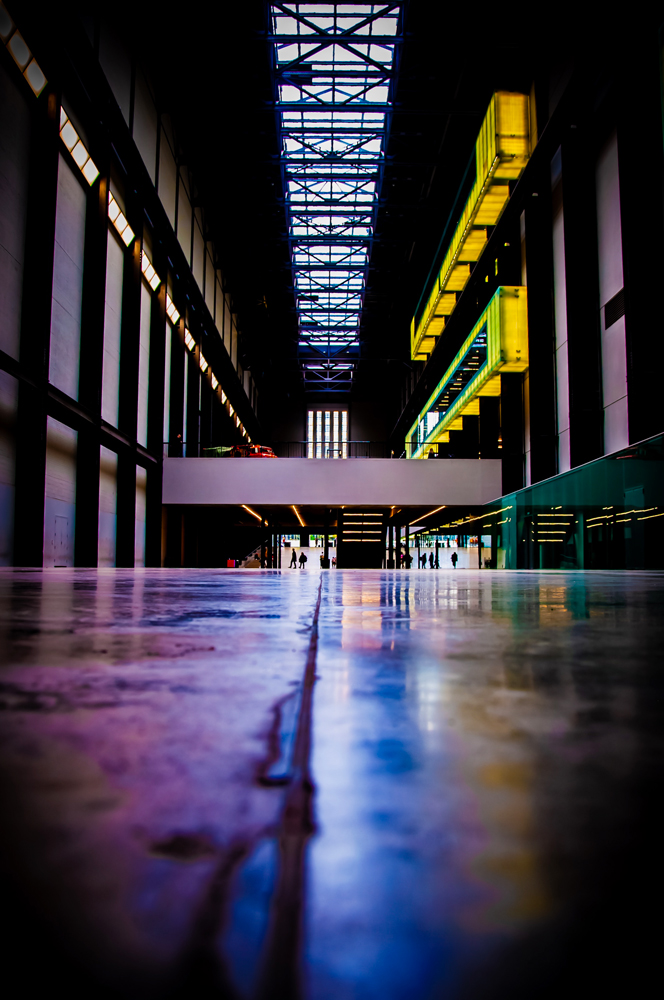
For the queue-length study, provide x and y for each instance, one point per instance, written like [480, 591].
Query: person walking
[453, 558]
[431, 560]
[293, 560]
[303, 559]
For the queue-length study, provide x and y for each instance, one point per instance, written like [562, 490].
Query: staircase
[253, 560]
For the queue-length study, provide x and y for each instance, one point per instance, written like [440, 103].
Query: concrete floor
[350, 784]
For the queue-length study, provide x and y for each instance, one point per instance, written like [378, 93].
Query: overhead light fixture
[253, 512]
[202, 363]
[125, 232]
[76, 147]
[189, 340]
[214, 380]
[430, 513]
[171, 311]
[297, 514]
[20, 53]
[149, 272]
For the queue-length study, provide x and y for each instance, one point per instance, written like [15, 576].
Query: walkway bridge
[330, 483]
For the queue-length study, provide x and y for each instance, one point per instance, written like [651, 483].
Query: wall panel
[60, 503]
[610, 264]
[108, 500]
[145, 125]
[198, 257]
[560, 314]
[14, 172]
[68, 265]
[8, 404]
[139, 537]
[144, 365]
[115, 62]
[110, 393]
[168, 178]
[184, 220]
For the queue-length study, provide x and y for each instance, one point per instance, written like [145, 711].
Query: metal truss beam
[334, 66]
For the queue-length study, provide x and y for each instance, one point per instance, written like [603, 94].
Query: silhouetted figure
[431, 560]
[293, 560]
[454, 557]
[423, 560]
[303, 559]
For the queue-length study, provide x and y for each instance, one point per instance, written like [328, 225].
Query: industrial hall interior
[331, 486]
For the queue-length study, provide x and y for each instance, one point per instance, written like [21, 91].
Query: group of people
[303, 559]
[406, 560]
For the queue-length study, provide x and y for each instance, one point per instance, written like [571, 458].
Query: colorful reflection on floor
[465, 808]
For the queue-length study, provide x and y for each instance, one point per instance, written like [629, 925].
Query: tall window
[327, 434]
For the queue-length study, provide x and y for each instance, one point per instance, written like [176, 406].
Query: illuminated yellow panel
[473, 245]
[512, 135]
[472, 409]
[446, 304]
[427, 345]
[491, 387]
[458, 278]
[456, 425]
[505, 320]
[501, 152]
[493, 203]
[436, 326]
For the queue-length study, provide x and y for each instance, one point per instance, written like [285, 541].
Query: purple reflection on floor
[472, 818]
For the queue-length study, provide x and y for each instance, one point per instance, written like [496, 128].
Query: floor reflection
[485, 767]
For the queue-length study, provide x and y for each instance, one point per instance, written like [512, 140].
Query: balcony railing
[332, 450]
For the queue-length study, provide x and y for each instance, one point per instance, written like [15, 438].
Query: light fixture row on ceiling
[33, 74]
[20, 53]
[78, 149]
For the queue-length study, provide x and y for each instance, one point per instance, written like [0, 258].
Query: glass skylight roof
[334, 67]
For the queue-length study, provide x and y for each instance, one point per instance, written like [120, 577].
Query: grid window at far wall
[327, 434]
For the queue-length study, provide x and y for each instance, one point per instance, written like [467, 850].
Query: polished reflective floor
[331, 785]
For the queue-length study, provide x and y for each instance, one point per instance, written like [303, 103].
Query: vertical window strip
[310, 434]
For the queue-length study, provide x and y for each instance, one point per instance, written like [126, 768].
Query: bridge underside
[328, 483]
[357, 537]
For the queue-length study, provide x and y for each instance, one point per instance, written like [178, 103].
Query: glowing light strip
[252, 511]
[125, 232]
[430, 513]
[149, 272]
[171, 311]
[297, 514]
[78, 151]
[20, 53]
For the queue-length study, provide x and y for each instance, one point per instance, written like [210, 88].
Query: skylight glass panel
[334, 69]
